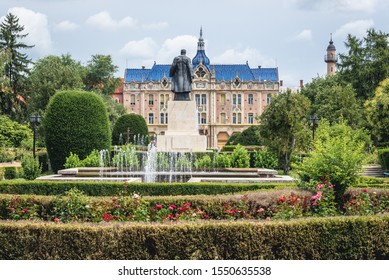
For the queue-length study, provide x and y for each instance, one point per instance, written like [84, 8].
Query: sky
[289, 34]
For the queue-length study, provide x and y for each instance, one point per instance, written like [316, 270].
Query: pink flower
[330, 186]
[267, 218]
[107, 217]
[11, 209]
[187, 205]
[116, 206]
[319, 186]
[114, 199]
[365, 190]
[56, 220]
[159, 206]
[24, 211]
[260, 210]
[206, 216]
[172, 207]
[170, 217]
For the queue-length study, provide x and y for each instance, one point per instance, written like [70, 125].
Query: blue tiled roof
[201, 56]
[265, 74]
[226, 72]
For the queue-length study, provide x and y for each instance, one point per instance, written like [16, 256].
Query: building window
[203, 118]
[250, 99]
[151, 100]
[163, 100]
[234, 118]
[132, 100]
[268, 99]
[151, 118]
[197, 98]
[200, 72]
[223, 99]
[163, 118]
[223, 118]
[239, 118]
[250, 118]
[237, 100]
[204, 99]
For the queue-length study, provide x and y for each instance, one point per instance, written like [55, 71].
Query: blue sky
[291, 35]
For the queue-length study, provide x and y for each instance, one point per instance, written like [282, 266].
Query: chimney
[281, 83]
[259, 66]
[143, 67]
[301, 83]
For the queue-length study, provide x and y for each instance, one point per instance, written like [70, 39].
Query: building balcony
[331, 58]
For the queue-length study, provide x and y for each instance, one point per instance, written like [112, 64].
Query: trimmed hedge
[350, 238]
[75, 121]
[135, 123]
[383, 157]
[97, 188]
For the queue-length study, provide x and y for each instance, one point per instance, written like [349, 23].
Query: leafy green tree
[100, 75]
[377, 113]
[132, 123]
[333, 100]
[12, 102]
[50, 74]
[366, 63]
[240, 157]
[115, 109]
[77, 122]
[284, 126]
[12, 133]
[248, 137]
[337, 156]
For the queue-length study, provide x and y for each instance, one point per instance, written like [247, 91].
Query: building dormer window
[200, 72]
[164, 82]
[236, 82]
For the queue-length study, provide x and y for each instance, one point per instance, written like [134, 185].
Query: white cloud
[155, 26]
[172, 47]
[66, 26]
[305, 35]
[104, 21]
[36, 25]
[142, 49]
[253, 56]
[338, 5]
[356, 28]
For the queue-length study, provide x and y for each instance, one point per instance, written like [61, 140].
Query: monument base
[182, 134]
[182, 143]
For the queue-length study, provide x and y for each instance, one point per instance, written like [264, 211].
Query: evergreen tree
[16, 67]
[366, 63]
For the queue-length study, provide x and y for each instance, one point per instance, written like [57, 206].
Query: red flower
[24, 211]
[11, 209]
[187, 205]
[116, 206]
[282, 199]
[85, 219]
[107, 217]
[365, 190]
[172, 207]
[159, 206]
[170, 217]
[260, 210]
[206, 216]
[114, 199]
[56, 220]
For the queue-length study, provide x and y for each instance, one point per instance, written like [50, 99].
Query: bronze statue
[181, 73]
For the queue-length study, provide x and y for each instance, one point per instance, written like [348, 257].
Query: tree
[115, 109]
[77, 122]
[377, 113]
[284, 126]
[12, 133]
[366, 63]
[333, 100]
[100, 75]
[50, 74]
[248, 137]
[337, 156]
[16, 67]
[132, 123]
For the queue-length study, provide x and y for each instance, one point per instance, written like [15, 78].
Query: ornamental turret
[331, 58]
[200, 56]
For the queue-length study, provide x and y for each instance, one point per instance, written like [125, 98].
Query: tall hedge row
[75, 121]
[323, 239]
[383, 156]
[136, 125]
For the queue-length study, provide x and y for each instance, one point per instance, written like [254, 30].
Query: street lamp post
[34, 119]
[314, 121]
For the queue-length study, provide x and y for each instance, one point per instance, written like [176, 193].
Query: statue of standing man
[181, 73]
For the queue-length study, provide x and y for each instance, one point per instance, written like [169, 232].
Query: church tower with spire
[331, 58]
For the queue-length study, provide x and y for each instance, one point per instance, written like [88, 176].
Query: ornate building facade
[228, 97]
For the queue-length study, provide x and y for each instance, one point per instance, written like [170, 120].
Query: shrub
[336, 157]
[222, 160]
[10, 172]
[133, 123]
[265, 159]
[75, 121]
[204, 163]
[383, 156]
[240, 158]
[73, 161]
[92, 160]
[12, 133]
[31, 167]
[43, 159]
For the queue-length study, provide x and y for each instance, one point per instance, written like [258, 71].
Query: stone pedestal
[182, 133]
